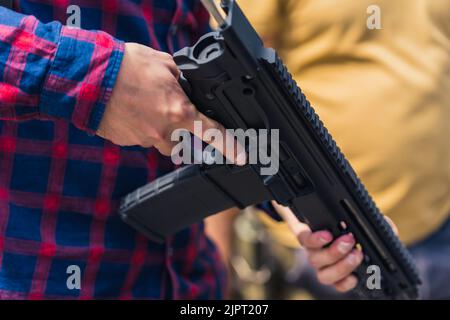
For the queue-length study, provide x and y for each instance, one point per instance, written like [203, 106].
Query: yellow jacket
[384, 94]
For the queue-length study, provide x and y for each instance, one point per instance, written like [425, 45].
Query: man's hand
[148, 104]
[333, 262]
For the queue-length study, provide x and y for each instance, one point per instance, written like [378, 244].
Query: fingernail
[353, 259]
[325, 238]
[345, 245]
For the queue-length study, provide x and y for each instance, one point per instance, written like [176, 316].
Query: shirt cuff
[81, 77]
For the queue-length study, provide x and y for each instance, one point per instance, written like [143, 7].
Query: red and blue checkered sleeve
[50, 71]
[203, 20]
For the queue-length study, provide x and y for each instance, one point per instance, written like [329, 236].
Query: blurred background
[378, 75]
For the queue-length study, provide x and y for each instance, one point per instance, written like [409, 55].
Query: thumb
[301, 230]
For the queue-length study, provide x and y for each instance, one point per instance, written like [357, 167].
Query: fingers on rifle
[337, 272]
[306, 238]
[227, 145]
[332, 254]
[289, 217]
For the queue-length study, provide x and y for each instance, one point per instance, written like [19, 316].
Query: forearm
[51, 71]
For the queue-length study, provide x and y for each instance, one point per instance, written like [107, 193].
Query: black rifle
[232, 78]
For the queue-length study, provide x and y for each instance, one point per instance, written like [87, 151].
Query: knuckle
[178, 112]
[190, 112]
[175, 115]
[183, 112]
[164, 55]
[169, 57]
[170, 62]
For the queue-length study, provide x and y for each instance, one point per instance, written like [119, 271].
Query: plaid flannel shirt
[59, 184]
